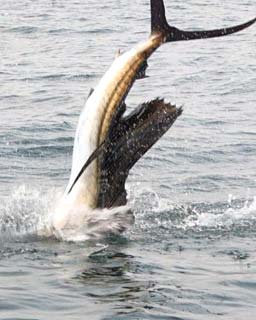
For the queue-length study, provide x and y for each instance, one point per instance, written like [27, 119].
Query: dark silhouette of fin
[134, 136]
[159, 24]
[90, 92]
[158, 18]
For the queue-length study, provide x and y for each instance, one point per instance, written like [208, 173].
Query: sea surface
[191, 252]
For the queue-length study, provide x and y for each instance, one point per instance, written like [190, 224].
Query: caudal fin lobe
[159, 24]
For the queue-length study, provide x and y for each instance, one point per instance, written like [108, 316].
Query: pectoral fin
[92, 157]
[142, 71]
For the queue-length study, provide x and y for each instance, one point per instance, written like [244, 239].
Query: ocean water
[191, 251]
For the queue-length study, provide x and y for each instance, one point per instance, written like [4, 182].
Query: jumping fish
[107, 143]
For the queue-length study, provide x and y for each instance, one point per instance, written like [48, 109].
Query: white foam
[229, 217]
[163, 212]
[86, 224]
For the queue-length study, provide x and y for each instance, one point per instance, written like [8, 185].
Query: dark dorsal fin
[159, 24]
[141, 129]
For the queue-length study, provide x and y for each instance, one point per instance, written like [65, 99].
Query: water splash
[154, 212]
[81, 223]
[230, 217]
[28, 211]
[25, 211]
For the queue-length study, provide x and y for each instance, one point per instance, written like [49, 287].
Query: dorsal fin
[159, 24]
[136, 134]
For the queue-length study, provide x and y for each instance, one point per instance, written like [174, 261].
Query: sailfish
[108, 142]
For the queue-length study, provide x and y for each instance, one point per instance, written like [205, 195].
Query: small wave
[54, 77]
[59, 76]
[8, 97]
[98, 31]
[42, 151]
[48, 127]
[23, 29]
[60, 31]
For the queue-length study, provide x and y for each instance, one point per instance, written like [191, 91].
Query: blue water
[191, 252]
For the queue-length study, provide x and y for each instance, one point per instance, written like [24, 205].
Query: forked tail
[159, 24]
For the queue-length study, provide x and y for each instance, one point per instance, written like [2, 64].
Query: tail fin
[158, 18]
[160, 24]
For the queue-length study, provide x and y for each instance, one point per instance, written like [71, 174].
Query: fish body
[107, 143]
